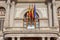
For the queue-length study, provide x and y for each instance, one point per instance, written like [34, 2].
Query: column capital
[13, 2]
[8, 1]
[53, 1]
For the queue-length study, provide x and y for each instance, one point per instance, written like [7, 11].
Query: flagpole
[27, 21]
[34, 16]
[27, 17]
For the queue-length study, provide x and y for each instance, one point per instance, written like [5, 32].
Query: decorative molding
[31, 0]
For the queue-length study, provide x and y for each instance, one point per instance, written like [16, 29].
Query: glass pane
[43, 23]
[31, 27]
[24, 22]
[36, 20]
[24, 25]
[37, 25]
[0, 24]
[43, 13]
[2, 12]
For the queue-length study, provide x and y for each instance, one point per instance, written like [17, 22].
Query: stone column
[1, 38]
[13, 38]
[6, 23]
[12, 12]
[48, 38]
[43, 38]
[49, 14]
[55, 18]
[58, 38]
[18, 38]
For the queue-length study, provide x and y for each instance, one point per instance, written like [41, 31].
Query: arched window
[31, 23]
[58, 11]
[2, 13]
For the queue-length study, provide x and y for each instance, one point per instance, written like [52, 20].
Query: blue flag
[34, 11]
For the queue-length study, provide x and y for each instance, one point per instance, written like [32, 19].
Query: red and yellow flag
[31, 12]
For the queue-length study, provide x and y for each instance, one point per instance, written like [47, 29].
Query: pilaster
[12, 13]
[49, 14]
[55, 18]
[6, 24]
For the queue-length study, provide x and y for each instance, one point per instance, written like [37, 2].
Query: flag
[34, 11]
[28, 16]
[34, 16]
[30, 13]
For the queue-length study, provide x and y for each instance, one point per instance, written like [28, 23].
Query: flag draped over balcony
[31, 13]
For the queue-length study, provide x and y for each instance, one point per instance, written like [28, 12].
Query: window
[59, 25]
[2, 11]
[1, 23]
[31, 23]
[58, 11]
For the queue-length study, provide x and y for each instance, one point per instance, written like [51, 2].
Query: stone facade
[14, 19]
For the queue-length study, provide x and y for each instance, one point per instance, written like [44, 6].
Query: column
[13, 38]
[12, 13]
[49, 14]
[43, 38]
[54, 9]
[1, 38]
[58, 38]
[48, 38]
[18, 38]
[6, 23]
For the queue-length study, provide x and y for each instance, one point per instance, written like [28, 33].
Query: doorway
[31, 38]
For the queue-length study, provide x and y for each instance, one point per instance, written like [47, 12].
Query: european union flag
[34, 11]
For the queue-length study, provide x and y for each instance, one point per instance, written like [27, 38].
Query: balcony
[30, 31]
[30, 0]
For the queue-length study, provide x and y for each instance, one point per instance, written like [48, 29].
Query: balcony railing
[36, 30]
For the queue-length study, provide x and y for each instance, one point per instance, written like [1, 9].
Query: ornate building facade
[14, 27]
